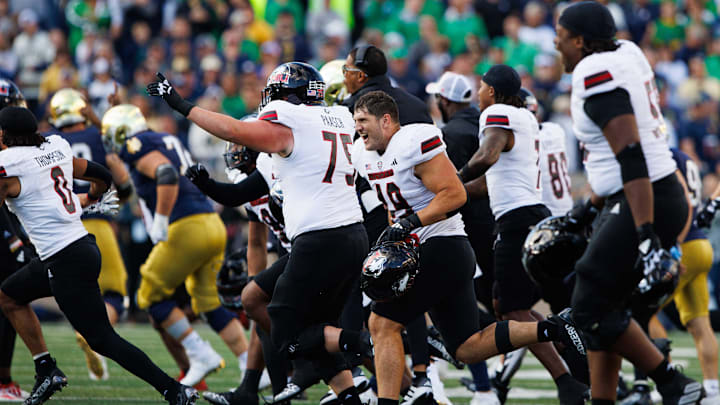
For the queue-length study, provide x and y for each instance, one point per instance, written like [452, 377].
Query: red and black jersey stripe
[3, 173]
[597, 79]
[430, 144]
[497, 120]
[269, 116]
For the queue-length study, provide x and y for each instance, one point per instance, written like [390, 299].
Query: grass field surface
[532, 384]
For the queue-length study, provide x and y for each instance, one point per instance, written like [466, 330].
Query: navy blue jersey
[86, 144]
[690, 172]
[190, 200]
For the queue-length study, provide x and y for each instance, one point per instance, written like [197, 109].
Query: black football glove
[197, 174]
[164, 89]
[656, 263]
[705, 216]
[580, 217]
[401, 229]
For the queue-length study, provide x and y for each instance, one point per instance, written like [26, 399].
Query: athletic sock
[480, 376]
[602, 402]
[663, 373]
[44, 364]
[419, 375]
[251, 380]
[242, 361]
[349, 397]
[711, 387]
[386, 401]
[8, 380]
[193, 342]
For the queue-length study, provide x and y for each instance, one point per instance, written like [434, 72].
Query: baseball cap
[453, 86]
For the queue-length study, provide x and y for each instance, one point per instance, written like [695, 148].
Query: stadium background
[219, 53]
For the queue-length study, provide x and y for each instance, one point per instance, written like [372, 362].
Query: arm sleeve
[252, 217]
[603, 107]
[233, 195]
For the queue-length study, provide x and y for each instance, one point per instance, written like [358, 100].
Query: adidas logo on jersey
[394, 162]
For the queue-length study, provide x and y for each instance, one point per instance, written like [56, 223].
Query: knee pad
[601, 329]
[115, 300]
[310, 343]
[218, 318]
[160, 311]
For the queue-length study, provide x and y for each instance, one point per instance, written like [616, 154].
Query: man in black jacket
[365, 70]
[453, 93]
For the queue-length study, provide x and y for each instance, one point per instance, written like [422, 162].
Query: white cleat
[202, 362]
[264, 381]
[713, 400]
[420, 393]
[484, 398]
[368, 398]
[438, 388]
[12, 393]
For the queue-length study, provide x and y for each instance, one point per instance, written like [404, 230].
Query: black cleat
[438, 349]
[622, 389]
[366, 343]
[360, 381]
[420, 393]
[573, 392]
[681, 391]
[184, 396]
[46, 386]
[234, 397]
[500, 387]
[639, 395]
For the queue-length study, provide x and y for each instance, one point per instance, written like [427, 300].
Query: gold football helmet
[66, 108]
[335, 91]
[121, 123]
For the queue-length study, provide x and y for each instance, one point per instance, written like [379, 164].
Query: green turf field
[532, 384]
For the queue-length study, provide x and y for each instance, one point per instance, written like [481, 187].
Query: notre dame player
[189, 239]
[633, 180]
[68, 117]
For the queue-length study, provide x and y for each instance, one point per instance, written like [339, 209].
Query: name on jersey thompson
[331, 121]
[50, 158]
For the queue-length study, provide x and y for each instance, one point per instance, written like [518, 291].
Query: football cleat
[97, 365]
[46, 386]
[330, 398]
[201, 386]
[681, 390]
[420, 393]
[202, 362]
[12, 393]
[232, 397]
[184, 396]
[368, 398]
[503, 372]
[290, 391]
[484, 398]
[639, 394]
[437, 385]
[360, 381]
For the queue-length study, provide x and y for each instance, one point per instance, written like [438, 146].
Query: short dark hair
[599, 45]
[514, 100]
[375, 61]
[378, 103]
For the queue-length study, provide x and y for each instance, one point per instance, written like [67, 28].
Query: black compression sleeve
[252, 217]
[233, 195]
[603, 107]
[98, 171]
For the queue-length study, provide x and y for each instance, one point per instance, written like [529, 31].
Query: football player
[616, 115]
[68, 111]
[253, 174]
[411, 173]
[189, 240]
[508, 159]
[555, 179]
[15, 249]
[69, 260]
[321, 211]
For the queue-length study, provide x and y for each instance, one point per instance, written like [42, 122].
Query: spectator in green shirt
[712, 60]
[517, 53]
[668, 29]
[459, 21]
[82, 13]
[275, 7]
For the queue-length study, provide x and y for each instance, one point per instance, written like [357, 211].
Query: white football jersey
[625, 68]
[47, 207]
[514, 180]
[392, 175]
[555, 179]
[317, 178]
[261, 208]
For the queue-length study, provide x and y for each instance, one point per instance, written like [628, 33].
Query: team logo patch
[269, 116]
[133, 145]
[597, 79]
[430, 144]
[280, 77]
[3, 173]
[497, 120]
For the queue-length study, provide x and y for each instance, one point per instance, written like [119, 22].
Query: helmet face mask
[66, 108]
[240, 157]
[296, 82]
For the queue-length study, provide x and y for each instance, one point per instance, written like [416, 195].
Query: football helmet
[389, 270]
[66, 108]
[531, 102]
[121, 123]
[240, 157]
[232, 278]
[550, 251]
[10, 95]
[296, 82]
[335, 91]
[276, 201]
